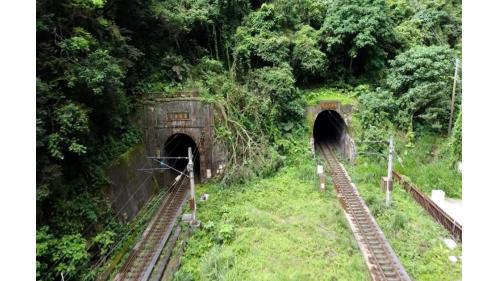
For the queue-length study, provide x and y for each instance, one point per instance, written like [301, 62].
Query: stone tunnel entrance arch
[170, 126]
[329, 121]
[177, 146]
[170, 123]
[330, 127]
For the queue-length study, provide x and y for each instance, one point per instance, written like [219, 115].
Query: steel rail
[381, 259]
[145, 253]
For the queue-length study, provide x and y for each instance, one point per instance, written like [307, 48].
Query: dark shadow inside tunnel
[329, 127]
[177, 146]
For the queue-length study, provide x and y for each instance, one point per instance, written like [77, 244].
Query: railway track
[379, 256]
[143, 257]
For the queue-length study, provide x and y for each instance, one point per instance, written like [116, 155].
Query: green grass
[313, 96]
[279, 228]
[427, 167]
[413, 234]
[282, 228]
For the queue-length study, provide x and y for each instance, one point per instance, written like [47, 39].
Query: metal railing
[432, 208]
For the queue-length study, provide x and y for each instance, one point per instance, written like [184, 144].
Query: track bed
[379, 256]
[146, 252]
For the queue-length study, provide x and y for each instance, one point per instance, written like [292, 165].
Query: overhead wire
[65, 256]
[181, 182]
[158, 202]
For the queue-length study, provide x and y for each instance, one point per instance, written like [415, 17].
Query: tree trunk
[215, 41]
[228, 58]
[209, 46]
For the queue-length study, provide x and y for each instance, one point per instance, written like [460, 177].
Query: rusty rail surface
[432, 208]
[140, 263]
[381, 260]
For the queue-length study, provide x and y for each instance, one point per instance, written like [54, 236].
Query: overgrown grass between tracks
[278, 228]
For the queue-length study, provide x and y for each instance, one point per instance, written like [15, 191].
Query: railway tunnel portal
[171, 125]
[329, 123]
[177, 146]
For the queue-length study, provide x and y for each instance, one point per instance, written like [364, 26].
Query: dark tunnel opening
[177, 146]
[330, 128]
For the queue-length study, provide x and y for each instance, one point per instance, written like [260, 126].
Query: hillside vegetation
[252, 59]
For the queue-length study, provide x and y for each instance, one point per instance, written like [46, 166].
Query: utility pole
[389, 173]
[192, 200]
[453, 96]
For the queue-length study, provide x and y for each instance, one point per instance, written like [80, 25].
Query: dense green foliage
[358, 33]
[427, 22]
[420, 82]
[97, 58]
[415, 92]
[415, 95]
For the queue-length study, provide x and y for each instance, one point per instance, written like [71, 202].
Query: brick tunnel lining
[177, 146]
[330, 127]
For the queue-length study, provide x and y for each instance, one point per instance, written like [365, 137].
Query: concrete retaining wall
[130, 189]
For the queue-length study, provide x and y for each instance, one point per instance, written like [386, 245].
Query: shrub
[278, 84]
[453, 147]
[225, 233]
[66, 255]
[73, 122]
[420, 80]
[307, 56]
[97, 72]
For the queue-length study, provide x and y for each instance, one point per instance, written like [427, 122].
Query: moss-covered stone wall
[130, 188]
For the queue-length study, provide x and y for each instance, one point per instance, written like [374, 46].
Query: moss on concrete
[314, 96]
[126, 157]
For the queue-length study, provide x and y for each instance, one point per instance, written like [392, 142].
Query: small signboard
[328, 105]
[177, 116]
[319, 170]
